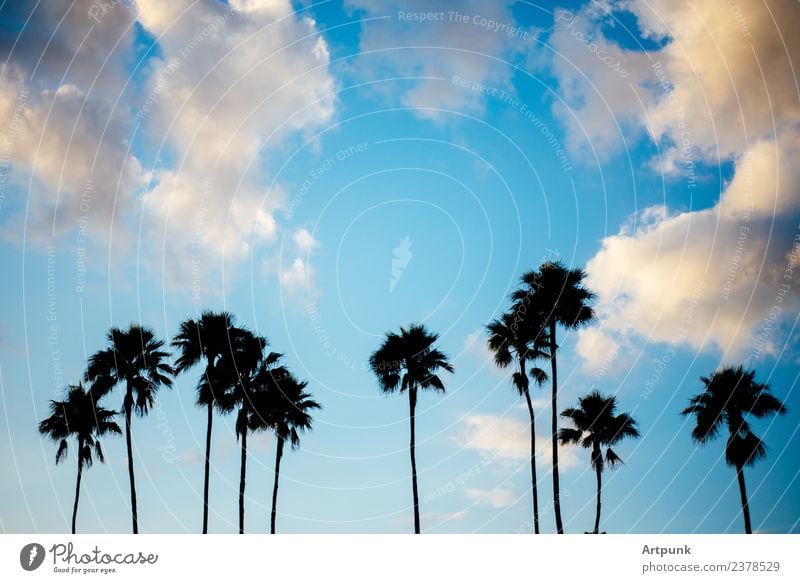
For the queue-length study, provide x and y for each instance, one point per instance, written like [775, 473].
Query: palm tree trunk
[208, 467]
[77, 485]
[128, 411]
[743, 493]
[278, 456]
[554, 433]
[412, 404]
[241, 481]
[599, 470]
[533, 464]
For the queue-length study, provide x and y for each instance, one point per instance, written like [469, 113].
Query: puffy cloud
[718, 278]
[229, 81]
[722, 78]
[719, 87]
[297, 277]
[65, 133]
[508, 438]
[304, 240]
[600, 85]
[730, 71]
[234, 79]
[496, 498]
[433, 42]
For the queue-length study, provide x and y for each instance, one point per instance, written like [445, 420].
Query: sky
[330, 171]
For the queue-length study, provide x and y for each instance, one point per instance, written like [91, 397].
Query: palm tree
[408, 362]
[596, 426]
[729, 396]
[206, 339]
[246, 370]
[134, 358]
[554, 295]
[284, 407]
[78, 416]
[510, 341]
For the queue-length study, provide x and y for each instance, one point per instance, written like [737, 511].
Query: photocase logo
[401, 259]
[31, 556]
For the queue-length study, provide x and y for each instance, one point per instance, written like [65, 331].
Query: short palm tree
[134, 358]
[245, 371]
[510, 342]
[206, 339]
[78, 416]
[596, 425]
[285, 408]
[554, 295]
[729, 396]
[408, 362]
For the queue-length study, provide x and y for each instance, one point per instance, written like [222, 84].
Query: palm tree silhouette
[510, 340]
[205, 339]
[284, 407]
[596, 426]
[135, 358]
[729, 395]
[246, 371]
[554, 295]
[408, 362]
[78, 416]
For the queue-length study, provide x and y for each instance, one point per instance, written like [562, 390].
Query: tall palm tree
[729, 395]
[408, 362]
[134, 358]
[245, 371]
[596, 425]
[555, 295]
[284, 407]
[205, 339]
[510, 342]
[78, 416]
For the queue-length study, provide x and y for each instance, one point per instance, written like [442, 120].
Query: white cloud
[304, 241]
[470, 39]
[507, 438]
[230, 81]
[297, 277]
[715, 278]
[722, 79]
[496, 498]
[234, 79]
[721, 86]
[63, 131]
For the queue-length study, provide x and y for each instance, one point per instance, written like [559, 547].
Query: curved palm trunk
[412, 404]
[743, 494]
[128, 411]
[534, 489]
[77, 486]
[596, 454]
[554, 433]
[533, 465]
[208, 467]
[278, 456]
[242, 481]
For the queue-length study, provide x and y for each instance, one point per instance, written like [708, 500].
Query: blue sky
[270, 159]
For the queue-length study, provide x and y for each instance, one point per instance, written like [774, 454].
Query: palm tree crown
[408, 360]
[135, 357]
